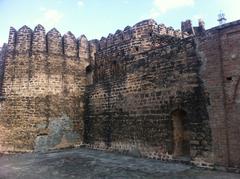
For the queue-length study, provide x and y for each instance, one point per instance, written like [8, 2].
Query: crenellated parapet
[93, 47]
[54, 42]
[118, 37]
[187, 27]
[39, 39]
[83, 47]
[127, 33]
[142, 31]
[178, 33]
[141, 37]
[136, 39]
[170, 31]
[110, 40]
[12, 39]
[162, 30]
[144, 28]
[70, 45]
[27, 42]
[103, 43]
[24, 38]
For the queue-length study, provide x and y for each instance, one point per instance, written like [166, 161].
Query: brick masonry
[148, 90]
[43, 88]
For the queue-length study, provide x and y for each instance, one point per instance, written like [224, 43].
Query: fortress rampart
[147, 90]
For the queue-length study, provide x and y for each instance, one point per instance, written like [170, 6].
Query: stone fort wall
[138, 85]
[148, 90]
[42, 91]
[219, 50]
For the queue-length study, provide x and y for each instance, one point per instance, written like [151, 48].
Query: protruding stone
[70, 45]
[54, 41]
[12, 39]
[24, 37]
[83, 47]
[39, 39]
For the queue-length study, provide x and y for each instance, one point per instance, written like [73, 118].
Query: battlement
[136, 39]
[39, 40]
[27, 41]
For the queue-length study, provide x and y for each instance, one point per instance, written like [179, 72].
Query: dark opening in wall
[137, 49]
[181, 134]
[229, 78]
[89, 74]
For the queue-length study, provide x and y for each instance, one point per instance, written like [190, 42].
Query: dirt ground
[85, 163]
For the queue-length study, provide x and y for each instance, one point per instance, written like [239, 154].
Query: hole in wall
[229, 78]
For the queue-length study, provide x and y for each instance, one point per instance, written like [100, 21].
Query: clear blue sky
[96, 18]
